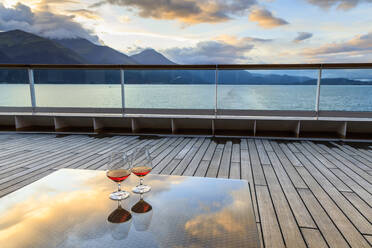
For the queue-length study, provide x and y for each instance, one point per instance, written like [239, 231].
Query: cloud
[233, 40]
[266, 19]
[219, 51]
[124, 19]
[341, 4]
[86, 14]
[42, 23]
[302, 36]
[360, 43]
[188, 12]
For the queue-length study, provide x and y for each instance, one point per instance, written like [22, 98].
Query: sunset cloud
[341, 4]
[360, 43]
[228, 51]
[188, 12]
[266, 19]
[302, 36]
[42, 23]
[233, 40]
[86, 14]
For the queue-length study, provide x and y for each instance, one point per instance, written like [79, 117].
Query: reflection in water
[119, 222]
[142, 213]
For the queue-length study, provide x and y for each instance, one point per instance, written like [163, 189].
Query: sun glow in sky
[207, 31]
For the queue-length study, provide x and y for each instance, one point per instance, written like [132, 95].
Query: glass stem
[141, 181]
[119, 187]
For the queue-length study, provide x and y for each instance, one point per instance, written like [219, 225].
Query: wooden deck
[305, 194]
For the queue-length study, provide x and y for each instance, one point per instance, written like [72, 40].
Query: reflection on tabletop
[119, 222]
[142, 214]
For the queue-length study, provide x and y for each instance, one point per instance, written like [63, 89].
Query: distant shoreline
[369, 83]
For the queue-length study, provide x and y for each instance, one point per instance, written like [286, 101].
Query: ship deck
[305, 193]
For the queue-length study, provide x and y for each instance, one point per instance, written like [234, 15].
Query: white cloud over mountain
[43, 23]
[223, 50]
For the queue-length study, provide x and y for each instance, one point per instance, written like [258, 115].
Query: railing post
[318, 92]
[32, 88]
[122, 79]
[216, 91]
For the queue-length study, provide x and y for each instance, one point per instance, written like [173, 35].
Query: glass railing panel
[170, 89]
[346, 90]
[77, 88]
[14, 88]
[267, 89]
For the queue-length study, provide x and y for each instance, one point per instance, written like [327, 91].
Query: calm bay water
[263, 97]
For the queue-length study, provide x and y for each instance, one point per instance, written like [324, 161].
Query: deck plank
[235, 170]
[360, 191]
[235, 154]
[314, 238]
[261, 152]
[359, 204]
[355, 164]
[355, 217]
[369, 238]
[259, 178]
[302, 216]
[330, 232]
[348, 230]
[287, 222]
[210, 151]
[259, 229]
[291, 157]
[288, 166]
[318, 161]
[187, 158]
[158, 167]
[215, 163]
[246, 173]
[270, 227]
[194, 163]
[202, 168]
[224, 169]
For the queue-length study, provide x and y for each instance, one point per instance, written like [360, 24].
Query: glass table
[71, 208]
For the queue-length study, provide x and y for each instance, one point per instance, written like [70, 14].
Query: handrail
[217, 67]
[193, 67]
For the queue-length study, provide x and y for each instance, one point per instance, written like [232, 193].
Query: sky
[207, 31]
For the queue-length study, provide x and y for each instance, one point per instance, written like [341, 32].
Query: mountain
[24, 48]
[151, 57]
[95, 54]
[4, 59]
[20, 47]
[338, 81]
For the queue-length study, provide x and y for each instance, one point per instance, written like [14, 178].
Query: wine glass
[141, 166]
[118, 170]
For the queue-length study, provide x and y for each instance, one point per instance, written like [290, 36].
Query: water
[255, 97]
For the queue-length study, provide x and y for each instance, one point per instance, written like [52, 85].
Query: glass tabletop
[71, 208]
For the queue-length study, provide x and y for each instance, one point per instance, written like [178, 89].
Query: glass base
[140, 189]
[119, 195]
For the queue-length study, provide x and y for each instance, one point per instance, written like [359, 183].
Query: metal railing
[122, 69]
